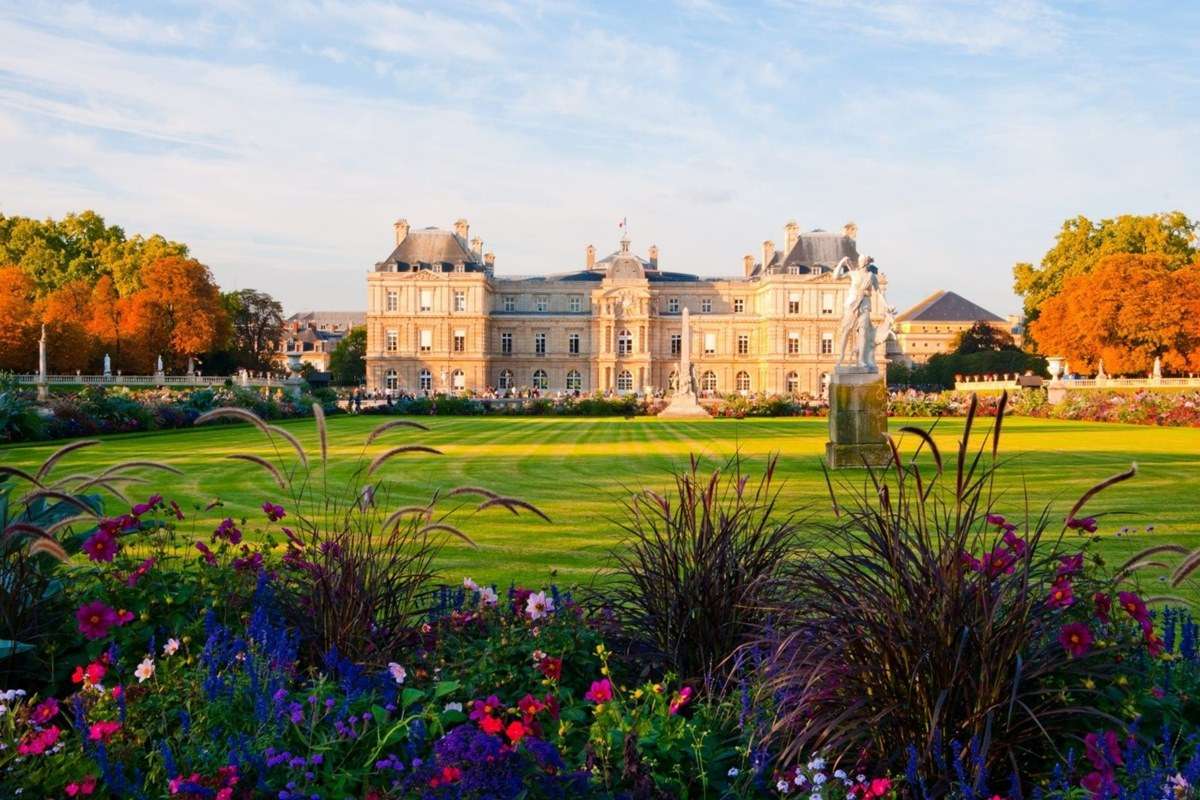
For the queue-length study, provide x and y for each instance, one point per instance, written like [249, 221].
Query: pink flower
[101, 546]
[137, 574]
[999, 562]
[38, 742]
[995, 519]
[209, 557]
[83, 787]
[274, 513]
[152, 503]
[103, 731]
[1100, 784]
[1076, 639]
[44, 711]
[96, 619]
[681, 700]
[1134, 606]
[1070, 565]
[1015, 543]
[1061, 594]
[601, 691]
[484, 708]
[878, 788]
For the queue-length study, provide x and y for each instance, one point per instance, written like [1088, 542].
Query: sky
[280, 141]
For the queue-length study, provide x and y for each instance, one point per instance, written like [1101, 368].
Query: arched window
[673, 381]
[743, 381]
[540, 381]
[624, 343]
[506, 379]
[391, 381]
[458, 380]
[625, 381]
[425, 380]
[708, 381]
[574, 381]
[793, 383]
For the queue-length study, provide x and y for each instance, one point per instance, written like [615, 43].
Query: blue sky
[282, 140]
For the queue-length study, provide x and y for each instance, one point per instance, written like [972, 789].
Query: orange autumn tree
[177, 313]
[1127, 311]
[18, 321]
[65, 313]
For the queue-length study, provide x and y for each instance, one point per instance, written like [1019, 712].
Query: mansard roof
[943, 306]
[433, 246]
[823, 248]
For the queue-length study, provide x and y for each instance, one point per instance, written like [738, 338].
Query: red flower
[551, 667]
[491, 725]
[878, 788]
[1076, 638]
[93, 674]
[601, 691]
[96, 619]
[1134, 606]
[1154, 645]
[1103, 750]
[1100, 784]
[995, 519]
[101, 546]
[515, 731]
[530, 706]
[1061, 594]
[551, 705]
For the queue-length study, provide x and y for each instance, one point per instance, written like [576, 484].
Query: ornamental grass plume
[895, 633]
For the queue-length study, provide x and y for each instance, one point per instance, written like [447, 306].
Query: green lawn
[578, 471]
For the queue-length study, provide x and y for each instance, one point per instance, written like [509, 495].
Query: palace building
[440, 319]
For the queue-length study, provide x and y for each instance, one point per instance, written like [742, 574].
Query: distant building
[314, 334]
[933, 325]
[440, 319]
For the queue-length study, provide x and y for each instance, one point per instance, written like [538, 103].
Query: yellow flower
[1089, 684]
[604, 670]
[637, 695]
[599, 708]
[1122, 681]
[600, 649]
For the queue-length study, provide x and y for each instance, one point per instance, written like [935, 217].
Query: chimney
[748, 264]
[850, 230]
[462, 228]
[477, 246]
[489, 259]
[768, 253]
[401, 228]
[654, 256]
[792, 234]
[591, 256]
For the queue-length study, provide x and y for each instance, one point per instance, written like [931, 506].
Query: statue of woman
[856, 318]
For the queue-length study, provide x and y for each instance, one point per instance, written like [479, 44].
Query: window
[425, 380]
[706, 306]
[624, 343]
[539, 344]
[710, 344]
[427, 299]
[708, 381]
[793, 383]
[506, 343]
[793, 302]
[739, 305]
[793, 269]
[426, 340]
[743, 344]
[510, 303]
[672, 305]
[460, 300]
[460, 341]
[391, 381]
[574, 381]
[437, 267]
[573, 343]
[793, 343]
[393, 341]
[576, 303]
[541, 303]
[743, 381]
[393, 300]
[506, 379]
[540, 381]
[826, 302]
[458, 380]
[676, 344]
[625, 381]
[826, 344]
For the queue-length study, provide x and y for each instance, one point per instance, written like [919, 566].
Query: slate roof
[432, 246]
[943, 306]
[816, 248]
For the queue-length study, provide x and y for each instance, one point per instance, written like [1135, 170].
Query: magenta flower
[1103, 606]
[44, 711]
[1103, 750]
[970, 562]
[999, 562]
[681, 700]
[995, 519]
[1061, 594]
[1076, 639]
[274, 513]
[96, 619]
[1087, 524]
[101, 546]
[176, 510]
[137, 574]
[152, 503]
[600, 692]
[1015, 543]
[485, 708]
[209, 557]
[229, 531]
[1070, 565]
[1134, 606]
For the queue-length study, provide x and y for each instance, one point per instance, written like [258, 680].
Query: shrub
[692, 580]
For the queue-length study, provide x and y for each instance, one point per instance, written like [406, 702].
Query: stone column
[43, 391]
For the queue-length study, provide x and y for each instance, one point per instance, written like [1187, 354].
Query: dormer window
[437, 267]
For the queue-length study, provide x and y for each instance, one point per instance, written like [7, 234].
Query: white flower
[814, 796]
[399, 673]
[538, 605]
[818, 778]
[860, 778]
[840, 774]
[470, 585]
[800, 779]
[538, 655]
[817, 763]
[488, 596]
[145, 669]
[784, 787]
[453, 707]
[171, 647]
[733, 772]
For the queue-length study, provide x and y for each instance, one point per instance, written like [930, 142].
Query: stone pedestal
[684, 406]
[857, 419]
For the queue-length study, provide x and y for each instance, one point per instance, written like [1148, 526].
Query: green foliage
[257, 327]
[939, 372]
[347, 363]
[1081, 243]
[982, 337]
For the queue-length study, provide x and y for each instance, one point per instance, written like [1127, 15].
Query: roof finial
[624, 226]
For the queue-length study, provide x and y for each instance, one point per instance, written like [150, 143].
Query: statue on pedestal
[42, 392]
[683, 402]
[107, 366]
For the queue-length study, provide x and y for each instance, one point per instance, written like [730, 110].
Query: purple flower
[274, 513]
[101, 546]
[96, 619]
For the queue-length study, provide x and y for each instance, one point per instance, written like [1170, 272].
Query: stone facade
[312, 336]
[440, 319]
[933, 326]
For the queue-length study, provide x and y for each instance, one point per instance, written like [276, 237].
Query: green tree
[1081, 243]
[982, 336]
[348, 363]
[257, 327]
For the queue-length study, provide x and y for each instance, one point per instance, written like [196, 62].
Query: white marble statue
[107, 365]
[158, 365]
[685, 382]
[857, 333]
